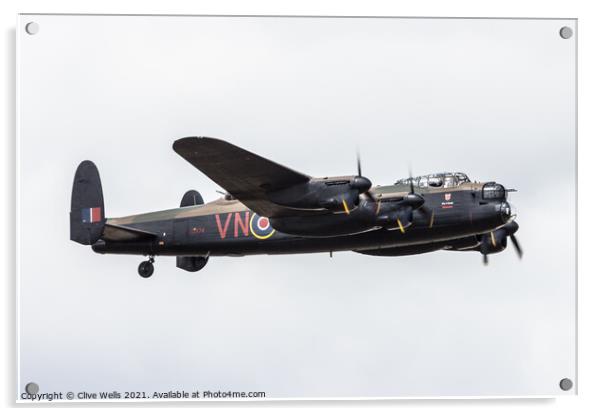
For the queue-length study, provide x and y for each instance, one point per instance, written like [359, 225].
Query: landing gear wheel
[146, 269]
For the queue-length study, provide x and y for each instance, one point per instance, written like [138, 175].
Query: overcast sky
[492, 98]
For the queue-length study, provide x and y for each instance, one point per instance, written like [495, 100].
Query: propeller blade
[401, 229]
[429, 213]
[346, 207]
[519, 250]
[485, 260]
[368, 194]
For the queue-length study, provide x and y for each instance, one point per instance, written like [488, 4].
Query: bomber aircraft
[270, 209]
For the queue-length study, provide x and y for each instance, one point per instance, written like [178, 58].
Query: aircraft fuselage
[228, 228]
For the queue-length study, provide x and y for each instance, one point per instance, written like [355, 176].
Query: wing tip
[180, 144]
[185, 142]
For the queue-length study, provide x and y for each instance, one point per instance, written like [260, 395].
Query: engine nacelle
[395, 215]
[366, 217]
[335, 194]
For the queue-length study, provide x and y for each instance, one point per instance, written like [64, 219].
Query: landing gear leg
[146, 268]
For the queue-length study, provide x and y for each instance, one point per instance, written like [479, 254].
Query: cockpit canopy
[436, 180]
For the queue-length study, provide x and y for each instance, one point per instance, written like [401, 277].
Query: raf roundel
[261, 227]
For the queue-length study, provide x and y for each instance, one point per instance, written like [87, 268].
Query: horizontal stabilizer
[114, 232]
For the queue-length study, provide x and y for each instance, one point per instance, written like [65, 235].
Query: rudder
[87, 217]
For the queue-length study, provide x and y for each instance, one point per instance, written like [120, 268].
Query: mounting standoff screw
[566, 384]
[32, 388]
[32, 28]
[566, 32]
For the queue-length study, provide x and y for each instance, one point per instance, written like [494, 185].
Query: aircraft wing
[245, 175]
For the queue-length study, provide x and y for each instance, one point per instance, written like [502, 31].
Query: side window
[449, 182]
[435, 182]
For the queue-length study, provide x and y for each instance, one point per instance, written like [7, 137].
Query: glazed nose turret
[505, 211]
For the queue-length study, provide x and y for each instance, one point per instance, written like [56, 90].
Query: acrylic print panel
[493, 98]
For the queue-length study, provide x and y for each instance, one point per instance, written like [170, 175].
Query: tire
[146, 269]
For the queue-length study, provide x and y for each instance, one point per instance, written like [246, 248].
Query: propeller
[429, 213]
[359, 185]
[517, 247]
[512, 228]
[417, 202]
[398, 213]
[496, 241]
[347, 192]
[412, 198]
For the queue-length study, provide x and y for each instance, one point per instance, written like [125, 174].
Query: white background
[493, 98]
[588, 309]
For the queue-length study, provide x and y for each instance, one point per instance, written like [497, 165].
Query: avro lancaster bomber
[271, 209]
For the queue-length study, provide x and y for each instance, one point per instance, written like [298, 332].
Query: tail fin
[191, 198]
[191, 263]
[87, 217]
